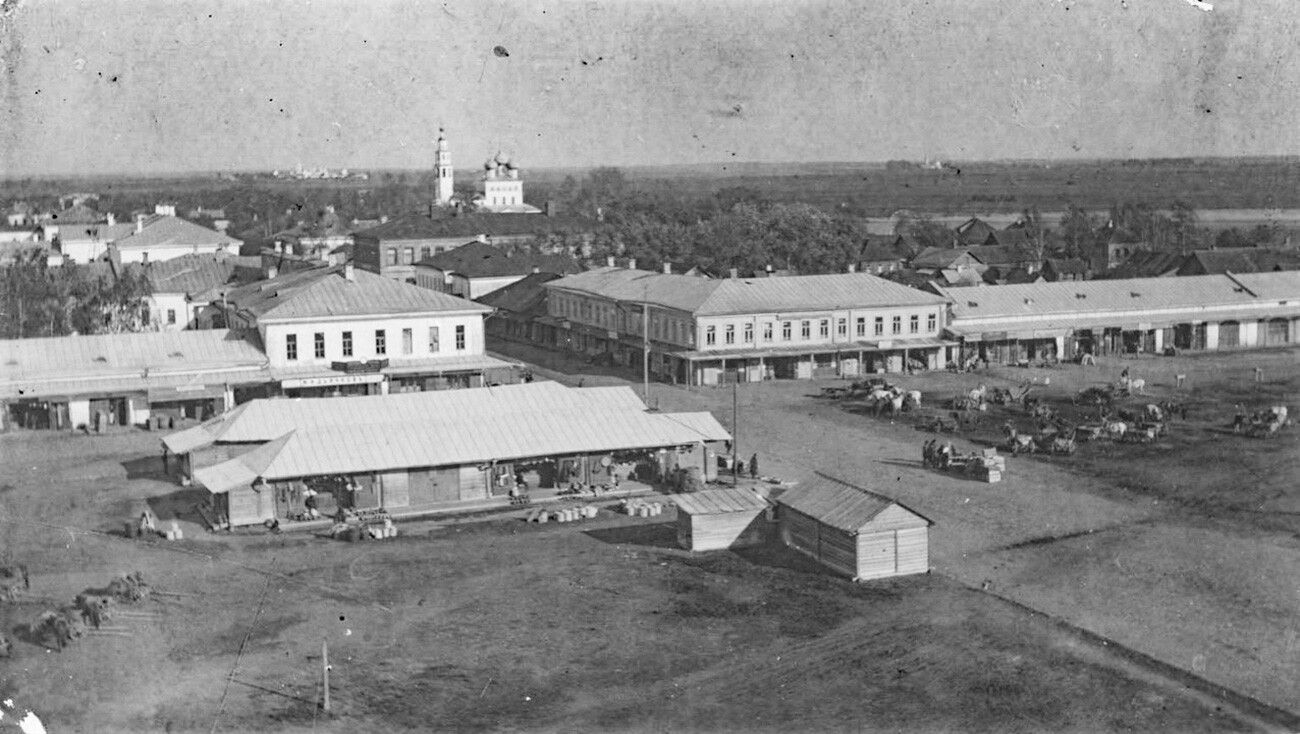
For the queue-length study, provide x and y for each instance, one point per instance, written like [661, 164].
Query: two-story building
[344, 331]
[704, 332]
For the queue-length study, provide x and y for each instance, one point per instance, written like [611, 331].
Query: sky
[145, 86]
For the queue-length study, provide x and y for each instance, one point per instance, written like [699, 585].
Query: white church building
[502, 190]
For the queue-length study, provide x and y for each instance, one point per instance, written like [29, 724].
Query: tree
[1079, 231]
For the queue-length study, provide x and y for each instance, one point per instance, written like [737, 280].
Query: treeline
[36, 300]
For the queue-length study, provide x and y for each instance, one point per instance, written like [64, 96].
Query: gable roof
[940, 257]
[100, 354]
[79, 214]
[164, 231]
[321, 292]
[883, 248]
[840, 505]
[447, 224]
[524, 297]
[194, 273]
[1145, 264]
[744, 295]
[1242, 260]
[719, 501]
[975, 231]
[1002, 254]
[481, 260]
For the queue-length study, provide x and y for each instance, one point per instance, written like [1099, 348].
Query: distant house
[163, 237]
[933, 260]
[21, 214]
[1007, 257]
[1010, 274]
[1058, 269]
[975, 231]
[1240, 260]
[852, 531]
[476, 269]
[393, 248]
[1146, 264]
[320, 238]
[1118, 245]
[883, 254]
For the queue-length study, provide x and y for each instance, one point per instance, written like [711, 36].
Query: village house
[1240, 260]
[517, 311]
[181, 288]
[420, 453]
[343, 331]
[698, 331]
[1031, 322]
[476, 269]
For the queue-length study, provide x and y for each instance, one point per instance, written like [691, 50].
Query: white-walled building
[476, 269]
[181, 288]
[341, 330]
[704, 331]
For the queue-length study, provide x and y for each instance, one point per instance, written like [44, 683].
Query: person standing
[753, 466]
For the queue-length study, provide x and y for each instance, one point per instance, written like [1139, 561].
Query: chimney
[383, 219]
[631, 263]
[734, 273]
[668, 268]
[271, 272]
[768, 270]
[536, 270]
[348, 273]
[144, 258]
[853, 267]
[111, 219]
[609, 261]
[139, 223]
[279, 247]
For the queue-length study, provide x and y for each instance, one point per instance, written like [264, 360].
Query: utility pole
[645, 346]
[735, 431]
[325, 673]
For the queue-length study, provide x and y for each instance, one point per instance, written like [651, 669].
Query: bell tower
[445, 187]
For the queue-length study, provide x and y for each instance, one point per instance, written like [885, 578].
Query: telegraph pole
[735, 431]
[325, 673]
[645, 346]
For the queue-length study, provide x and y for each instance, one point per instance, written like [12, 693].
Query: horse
[1017, 443]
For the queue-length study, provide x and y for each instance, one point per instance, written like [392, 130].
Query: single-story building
[419, 452]
[94, 381]
[721, 518]
[854, 531]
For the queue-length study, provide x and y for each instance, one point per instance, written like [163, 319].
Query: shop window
[408, 341]
[320, 345]
[291, 347]
[460, 338]
[381, 342]
[347, 344]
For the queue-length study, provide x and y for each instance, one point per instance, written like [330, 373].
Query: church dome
[502, 159]
[489, 165]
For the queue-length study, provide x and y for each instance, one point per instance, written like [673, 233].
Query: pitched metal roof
[164, 231]
[319, 292]
[194, 273]
[350, 435]
[525, 297]
[1074, 298]
[745, 295]
[481, 260]
[108, 353]
[1245, 260]
[838, 504]
[243, 470]
[719, 501]
[939, 257]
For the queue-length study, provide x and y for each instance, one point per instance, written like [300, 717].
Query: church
[502, 190]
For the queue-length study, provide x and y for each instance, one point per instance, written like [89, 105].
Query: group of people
[936, 454]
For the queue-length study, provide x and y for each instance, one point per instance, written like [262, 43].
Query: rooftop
[526, 296]
[194, 273]
[481, 260]
[101, 355]
[322, 292]
[838, 504]
[164, 231]
[445, 224]
[744, 295]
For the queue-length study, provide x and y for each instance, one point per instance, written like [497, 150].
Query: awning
[183, 442]
[894, 345]
[223, 477]
[185, 392]
[448, 365]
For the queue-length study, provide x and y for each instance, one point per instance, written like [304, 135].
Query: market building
[1026, 323]
[410, 454]
[330, 331]
[93, 382]
[699, 331]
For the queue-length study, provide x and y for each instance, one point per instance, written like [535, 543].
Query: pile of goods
[568, 514]
[641, 508]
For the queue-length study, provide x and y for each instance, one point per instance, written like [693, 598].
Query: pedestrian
[1259, 374]
[1239, 419]
[1123, 376]
[927, 452]
[753, 466]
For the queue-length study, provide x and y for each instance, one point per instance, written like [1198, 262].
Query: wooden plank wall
[913, 550]
[396, 489]
[473, 483]
[728, 530]
[837, 550]
[876, 555]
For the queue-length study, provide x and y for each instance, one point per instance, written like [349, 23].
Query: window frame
[291, 347]
[347, 344]
[460, 337]
[381, 342]
[319, 345]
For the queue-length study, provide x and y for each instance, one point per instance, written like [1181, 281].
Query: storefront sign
[330, 381]
[358, 367]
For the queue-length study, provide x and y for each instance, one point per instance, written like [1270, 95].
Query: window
[930, 323]
[805, 329]
[291, 347]
[408, 255]
[408, 341]
[731, 334]
[842, 327]
[862, 326]
[171, 315]
[825, 329]
[880, 325]
[749, 334]
[898, 325]
[914, 324]
[381, 342]
[320, 345]
[347, 344]
[785, 330]
[392, 256]
[710, 335]
[767, 331]
[433, 340]
[424, 253]
[460, 337]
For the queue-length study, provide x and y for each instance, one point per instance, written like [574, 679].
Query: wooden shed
[853, 531]
[721, 518]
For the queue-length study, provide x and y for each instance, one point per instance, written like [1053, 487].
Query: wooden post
[325, 673]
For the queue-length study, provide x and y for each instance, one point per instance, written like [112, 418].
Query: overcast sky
[142, 86]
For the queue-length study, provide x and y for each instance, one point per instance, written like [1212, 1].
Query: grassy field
[1126, 588]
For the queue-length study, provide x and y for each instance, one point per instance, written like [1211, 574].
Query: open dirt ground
[1130, 588]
